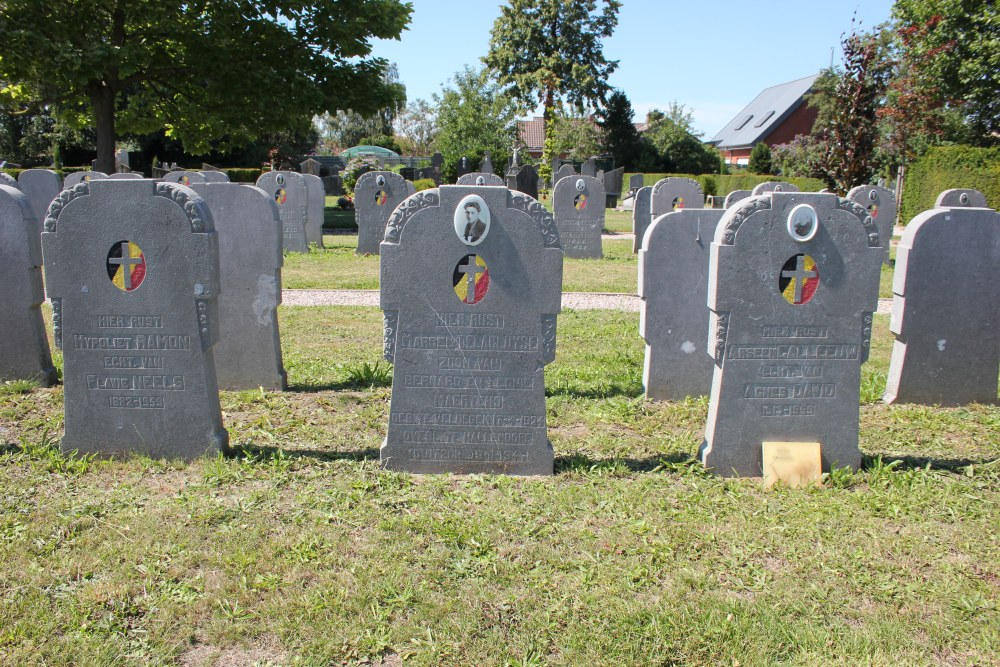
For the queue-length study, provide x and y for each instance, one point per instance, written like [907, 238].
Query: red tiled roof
[532, 132]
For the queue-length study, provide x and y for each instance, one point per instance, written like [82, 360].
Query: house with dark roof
[774, 117]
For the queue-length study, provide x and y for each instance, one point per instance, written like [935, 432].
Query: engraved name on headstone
[376, 196]
[578, 205]
[289, 191]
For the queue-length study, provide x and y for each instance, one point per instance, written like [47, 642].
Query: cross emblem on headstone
[799, 275]
[127, 261]
[471, 270]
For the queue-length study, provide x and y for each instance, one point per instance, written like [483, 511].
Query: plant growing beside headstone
[357, 166]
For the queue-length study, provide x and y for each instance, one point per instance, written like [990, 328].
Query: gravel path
[574, 300]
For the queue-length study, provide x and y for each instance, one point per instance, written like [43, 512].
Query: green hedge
[243, 175]
[63, 173]
[947, 167]
[723, 184]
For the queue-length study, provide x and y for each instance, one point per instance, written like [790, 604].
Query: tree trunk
[103, 101]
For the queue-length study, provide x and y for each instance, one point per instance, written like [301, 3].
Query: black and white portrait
[472, 220]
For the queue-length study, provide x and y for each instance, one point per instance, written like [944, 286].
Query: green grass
[298, 550]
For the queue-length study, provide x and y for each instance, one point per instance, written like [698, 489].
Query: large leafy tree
[474, 116]
[212, 73]
[551, 52]
[677, 146]
[620, 137]
[577, 137]
[418, 124]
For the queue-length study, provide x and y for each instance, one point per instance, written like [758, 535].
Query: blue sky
[713, 56]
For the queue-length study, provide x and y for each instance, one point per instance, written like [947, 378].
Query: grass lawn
[298, 550]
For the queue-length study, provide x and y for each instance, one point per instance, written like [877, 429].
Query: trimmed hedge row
[947, 167]
[723, 184]
[62, 172]
[236, 174]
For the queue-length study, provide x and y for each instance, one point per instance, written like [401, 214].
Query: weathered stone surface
[315, 207]
[946, 305]
[480, 178]
[792, 298]
[673, 286]
[881, 206]
[81, 176]
[634, 182]
[215, 176]
[735, 196]
[132, 269]
[8, 180]
[524, 180]
[376, 196]
[24, 346]
[578, 204]
[411, 189]
[468, 392]
[773, 186]
[289, 191]
[248, 354]
[125, 176]
[486, 166]
[642, 215]
[675, 193]
[185, 177]
[563, 172]
[589, 168]
[41, 186]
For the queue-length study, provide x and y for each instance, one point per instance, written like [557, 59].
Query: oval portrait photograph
[472, 220]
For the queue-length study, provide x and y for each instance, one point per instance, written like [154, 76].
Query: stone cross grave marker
[376, 196]
[792, 286]
[881, 206]
[773, 186]
[248, 227]
[641, 215]
[81, 176]
[673, 286]
[480, 178]
[315, 208]
[24, 350]
[41, 186]
[946, 305]
[132, 269]
[735, 196]
[578, 205]
[290, 192]
[471, 281]
[185, 177]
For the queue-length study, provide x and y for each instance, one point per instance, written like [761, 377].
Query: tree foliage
[760, 159]
[676, 148]
[576, 137]
[211, 73]
[620, 137]
[474, 116]
[418, 124]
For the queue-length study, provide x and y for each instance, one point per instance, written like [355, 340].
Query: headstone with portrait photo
[793, 284]
[132, 269]
[480, 178]
[376, 195]
[471, 281]
[881, 206]
[675, 193]
[578, 206]
[290, 192]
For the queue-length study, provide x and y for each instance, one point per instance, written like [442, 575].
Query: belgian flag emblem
[126, 265]
[381, 197]
[799, 279]
[280, 196]
[580, 202]
[471, 279]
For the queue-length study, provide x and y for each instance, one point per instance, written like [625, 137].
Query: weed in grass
[872, 386]
[369, 376]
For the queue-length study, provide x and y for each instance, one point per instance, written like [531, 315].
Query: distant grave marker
[376, 196]
[578, 204]
[290, 192]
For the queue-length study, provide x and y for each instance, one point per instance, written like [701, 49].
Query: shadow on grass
[628, 391]
[340, 385]
[267, 451]
[583, 464]
[906, 462]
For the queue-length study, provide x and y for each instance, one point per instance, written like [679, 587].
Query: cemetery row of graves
[757, 325]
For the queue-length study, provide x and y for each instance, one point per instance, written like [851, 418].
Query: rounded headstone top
[735, 196]
[183, 177]
[773, 186]
[81, 176]
[961, 198]
[8, 180]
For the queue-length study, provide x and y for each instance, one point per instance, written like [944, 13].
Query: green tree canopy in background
[620, 137]
[760, 159]
[213, 73]
[677, 148]
[577, 137]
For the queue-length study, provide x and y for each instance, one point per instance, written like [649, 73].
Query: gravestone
[642, 216]
[946, 305]
[589, 168]
[184, 177]
[7, 179]
[480, 178]
[881, 206]
[376, 195]
[735, 196]
[463, 167]
[675, 193]
[773, 186]
[214, 176]
[471, 281]
[525, 180]
[793, 283]
[411, 189]
[635, 182]
[486, 166]
[132, 269]
[315, 209]
[248, 227]
[673, 286]
[613, 185]
[125, 176]
[563, 172]
[437, 164]
[24, 350]
[289, 191]
[41, 186]
[122, 160]
[81, 176]
[310, 166]
[578, 205]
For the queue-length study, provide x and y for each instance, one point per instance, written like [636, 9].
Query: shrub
[946, 167]
[355, 168]
[760, 159]
[424, 184]
[243, 175]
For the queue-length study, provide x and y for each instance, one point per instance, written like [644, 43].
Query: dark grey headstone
[468, 389]
[186, 177]
[613, 185]
[881, 206]
[673, 286]
[946, 305]
[641, 215]
[248, 354]
[773, 186]
[790, 327]
[376, 195]
[315, 209]
[463, 167]
[589, 168]
[578, 205]
[635, 182]
[563, 172]
[41, 186]
[24, 350]
[81, 176]
[132, 268]
[735, 196]
[524, 180]
[480, 178]
[486, 166]
[310, 166]
[675, 193]
[289, 191]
